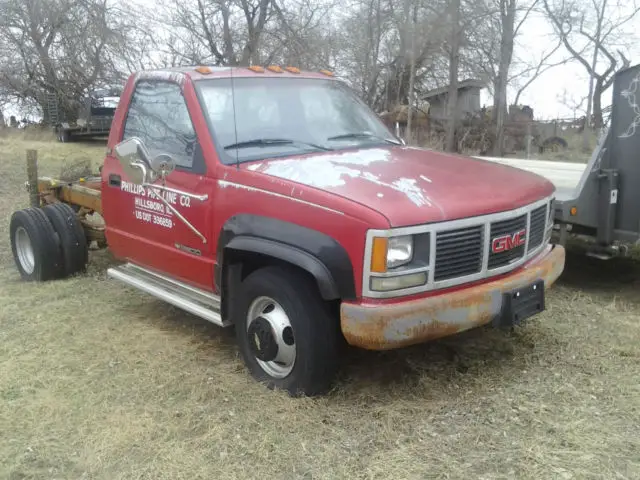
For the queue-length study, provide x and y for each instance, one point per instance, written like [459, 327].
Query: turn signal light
[256, 69]
[275, 68]
[204, 70]
[379, 255]
[573, 211]
[327, 73]
[388, 284]
[292, 69]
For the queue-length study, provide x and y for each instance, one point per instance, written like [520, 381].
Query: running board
[191, 299]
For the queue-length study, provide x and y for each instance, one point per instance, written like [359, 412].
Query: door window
[158, 115]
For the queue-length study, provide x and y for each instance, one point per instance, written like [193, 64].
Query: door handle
[115, 180]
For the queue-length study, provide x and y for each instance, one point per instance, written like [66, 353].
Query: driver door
[169, 234]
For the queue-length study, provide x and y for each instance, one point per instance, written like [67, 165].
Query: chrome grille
[537, 227]
[507, 227]
[458, 252]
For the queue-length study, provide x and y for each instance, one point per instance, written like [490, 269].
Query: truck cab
[275, 201]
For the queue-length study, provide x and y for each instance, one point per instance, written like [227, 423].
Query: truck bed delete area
[83, 194]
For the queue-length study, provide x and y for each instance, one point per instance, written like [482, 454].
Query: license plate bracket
[522, 303]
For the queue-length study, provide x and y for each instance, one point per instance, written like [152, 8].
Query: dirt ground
[101, 382]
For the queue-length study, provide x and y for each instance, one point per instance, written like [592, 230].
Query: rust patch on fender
[383, 327]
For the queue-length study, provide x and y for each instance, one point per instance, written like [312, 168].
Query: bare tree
[533, 69]
[364, 48]
[494, 52]
[411, 12]
[590, 31]
[392, 52]
[60, 47]
[247, 32]
[570, 102]
[509, 29]
[454, 61]
[300, 34]
[221, 32]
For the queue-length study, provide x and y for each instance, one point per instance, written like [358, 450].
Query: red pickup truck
[276, 201]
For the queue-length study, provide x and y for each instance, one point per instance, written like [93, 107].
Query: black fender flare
[315, 252]
[290, 254]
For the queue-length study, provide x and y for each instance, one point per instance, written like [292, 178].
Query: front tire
[285, 332]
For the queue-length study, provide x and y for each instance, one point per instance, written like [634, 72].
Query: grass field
[101, 382]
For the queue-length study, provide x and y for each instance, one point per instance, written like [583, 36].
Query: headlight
[391, 252]
[399, 251]
[397, 263]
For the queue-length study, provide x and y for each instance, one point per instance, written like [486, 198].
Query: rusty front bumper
[388, 326]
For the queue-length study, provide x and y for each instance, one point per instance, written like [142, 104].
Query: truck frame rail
[83, 195]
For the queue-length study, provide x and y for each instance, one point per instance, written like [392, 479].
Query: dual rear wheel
[48, 243]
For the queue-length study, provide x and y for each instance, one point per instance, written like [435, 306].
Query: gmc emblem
[508, 242]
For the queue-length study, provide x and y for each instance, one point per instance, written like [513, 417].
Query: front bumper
[388, 326]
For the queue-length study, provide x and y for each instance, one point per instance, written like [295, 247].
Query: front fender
[293, 255]
[315, 252]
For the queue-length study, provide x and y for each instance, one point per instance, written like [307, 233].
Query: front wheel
[286, 334]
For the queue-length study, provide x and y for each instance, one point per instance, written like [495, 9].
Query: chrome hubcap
[24, 250]
[270, 337]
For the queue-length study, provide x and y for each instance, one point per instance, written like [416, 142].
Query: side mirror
[134, 159]
[163, 165]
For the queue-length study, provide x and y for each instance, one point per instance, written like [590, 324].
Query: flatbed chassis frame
[83, 195]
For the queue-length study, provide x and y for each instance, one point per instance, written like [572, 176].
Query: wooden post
[32, 177]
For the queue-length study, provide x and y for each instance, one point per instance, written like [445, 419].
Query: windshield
[285, 116]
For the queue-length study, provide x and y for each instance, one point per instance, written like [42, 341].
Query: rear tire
[286, 334]
[35, 246]
[73, 242]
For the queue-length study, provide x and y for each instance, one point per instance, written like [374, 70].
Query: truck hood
[411, 186]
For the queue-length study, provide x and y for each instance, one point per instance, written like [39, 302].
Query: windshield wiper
[346, 136]
[267, 142]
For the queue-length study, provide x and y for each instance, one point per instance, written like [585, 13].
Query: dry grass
[101, 382]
